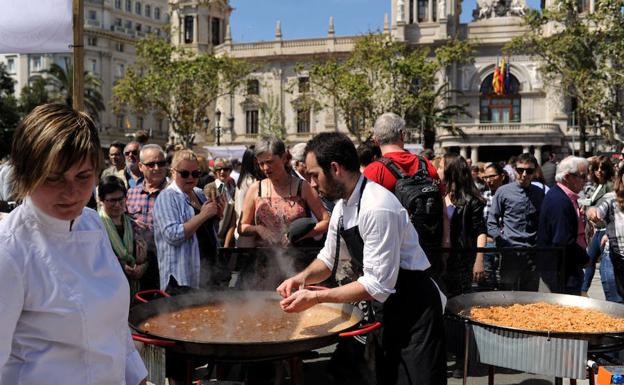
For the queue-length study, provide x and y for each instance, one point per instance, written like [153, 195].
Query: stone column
[474, 154]
[463, 151]
[538, 154]
[196, 30]
[430, 10]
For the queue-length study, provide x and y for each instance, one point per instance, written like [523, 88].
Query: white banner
[35, 26]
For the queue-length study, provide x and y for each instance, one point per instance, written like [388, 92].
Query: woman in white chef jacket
[64, 302]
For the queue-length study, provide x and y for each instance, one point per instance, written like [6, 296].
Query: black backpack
[420, 195]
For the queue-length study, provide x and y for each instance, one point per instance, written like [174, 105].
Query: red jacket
[406, 161]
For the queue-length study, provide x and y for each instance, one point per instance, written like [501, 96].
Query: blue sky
[254, 20]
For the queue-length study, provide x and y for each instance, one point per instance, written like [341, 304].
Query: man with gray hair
[140, 205]
[297, 153]
[562, 225]
[389, 133]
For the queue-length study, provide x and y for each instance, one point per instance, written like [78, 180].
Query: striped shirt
[177, 257]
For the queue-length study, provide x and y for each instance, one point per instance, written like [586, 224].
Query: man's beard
[334, 189]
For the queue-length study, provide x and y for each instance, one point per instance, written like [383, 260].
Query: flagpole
[78, 46]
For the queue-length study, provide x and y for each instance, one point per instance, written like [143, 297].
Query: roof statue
[487, 9]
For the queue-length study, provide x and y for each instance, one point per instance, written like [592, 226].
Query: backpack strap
[392, 167]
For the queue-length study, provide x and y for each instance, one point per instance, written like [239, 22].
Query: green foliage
[384, 75]
[59, 80]
[581, 53]
[9, 113]
[177, 84]
[33, 95]
[271, 118]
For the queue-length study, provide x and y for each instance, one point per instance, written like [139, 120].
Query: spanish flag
[496, 80]
[501, 77]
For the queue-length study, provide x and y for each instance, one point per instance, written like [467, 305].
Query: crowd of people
[165, 215]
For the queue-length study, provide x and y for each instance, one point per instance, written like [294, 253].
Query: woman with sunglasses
[184, 227]
[129, 249]
[601, 175]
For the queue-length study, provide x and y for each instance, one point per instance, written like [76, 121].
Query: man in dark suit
[561, 224]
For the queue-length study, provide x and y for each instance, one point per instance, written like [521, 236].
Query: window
[128, 25]
[93, 66]
[253, 87]
[157, 31]
[304, 84]
[148, 10]
[434, 10]
[11, 65]
[188, 29]
[138, 27]
[303, 120]
[92, 41]
[423, 7]
[138, 8]
[119, 47]
[92, 15]
[216, 31]
[411, 11]
[148, 29]
[35, 63]
[118, 22]
[157, 13]
[128, 5]
[140, 123]
[120, 69]
[251, 122]
[117, 4]
[582, 5]
[503, 108]
[120, 121]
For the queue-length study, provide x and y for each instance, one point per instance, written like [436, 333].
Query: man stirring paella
[387, 263]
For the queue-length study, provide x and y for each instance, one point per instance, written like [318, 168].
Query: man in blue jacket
[561, 225]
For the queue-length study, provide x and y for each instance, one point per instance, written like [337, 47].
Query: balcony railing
[520, 129]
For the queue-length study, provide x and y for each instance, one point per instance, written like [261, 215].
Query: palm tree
[59, 80]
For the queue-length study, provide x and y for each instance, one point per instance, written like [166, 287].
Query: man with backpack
[415, 182]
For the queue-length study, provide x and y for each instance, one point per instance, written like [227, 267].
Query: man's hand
[209, 209]
[290, 285]
[299, 301]
[477, 270]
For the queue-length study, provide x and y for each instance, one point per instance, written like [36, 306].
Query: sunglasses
[160, 164]
[115, 200]
[223, 169]
[128, 153]
[486, 177]
[186, 173]
[522, 170]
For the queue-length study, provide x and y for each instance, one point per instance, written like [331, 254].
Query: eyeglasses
[186, 173]
[128, 153]
[160, 164]
[486, 177]
[522, 170]
[115, 200]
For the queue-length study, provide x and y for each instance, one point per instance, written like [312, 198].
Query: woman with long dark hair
[467, 226]
[250, 172]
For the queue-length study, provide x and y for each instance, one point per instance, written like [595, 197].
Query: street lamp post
[218, 126]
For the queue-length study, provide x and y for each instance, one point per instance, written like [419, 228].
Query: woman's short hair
[110, 184]
[270, 144]
[52, 138]
[181, 155]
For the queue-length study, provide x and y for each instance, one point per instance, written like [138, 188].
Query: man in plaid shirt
[140, 203]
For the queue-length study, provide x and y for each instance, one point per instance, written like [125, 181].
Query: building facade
[111, 28]
[532, 117]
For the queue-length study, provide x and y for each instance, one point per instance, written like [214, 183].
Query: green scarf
[122, 248]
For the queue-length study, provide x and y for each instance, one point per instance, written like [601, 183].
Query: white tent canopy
[228, 152]
[35, 26]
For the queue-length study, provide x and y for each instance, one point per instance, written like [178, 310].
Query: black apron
[410, 348]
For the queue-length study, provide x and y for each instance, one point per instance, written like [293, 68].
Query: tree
[581, 53]
[177, 83]
[271, 118]
[384, 75]
[33, 95]
[9, 114]
[59, 80]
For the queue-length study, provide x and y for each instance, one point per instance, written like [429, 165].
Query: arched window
[503, 108]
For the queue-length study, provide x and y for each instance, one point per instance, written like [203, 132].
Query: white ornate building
[534, 117]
